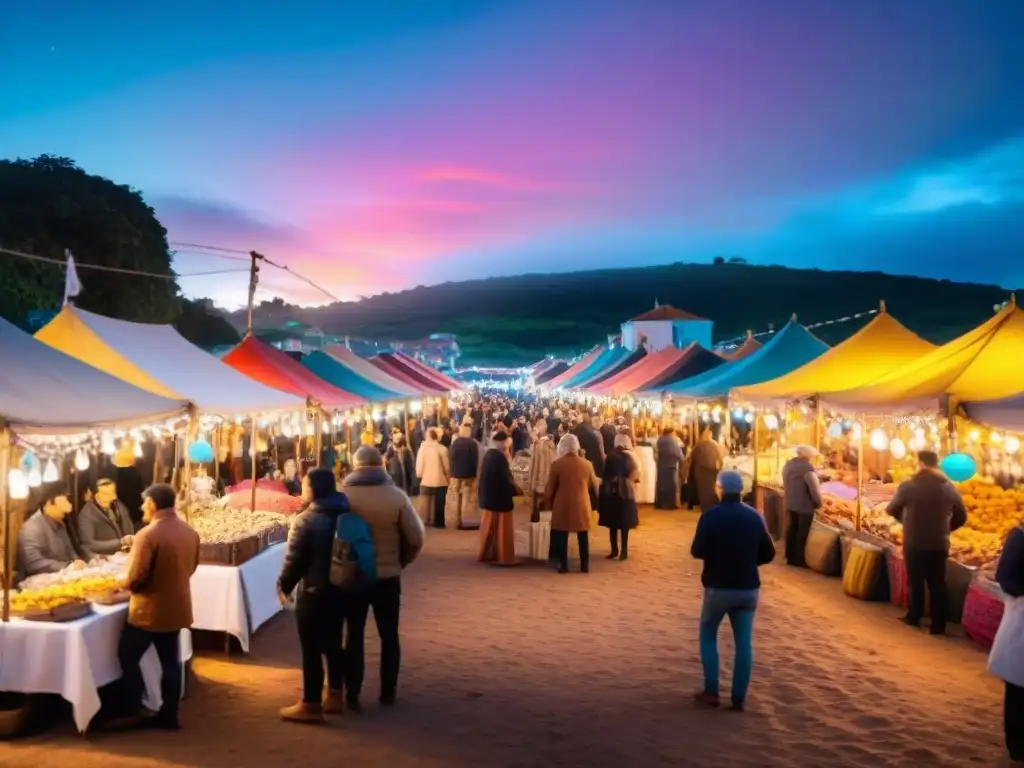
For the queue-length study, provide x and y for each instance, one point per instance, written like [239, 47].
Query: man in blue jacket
[733, 541]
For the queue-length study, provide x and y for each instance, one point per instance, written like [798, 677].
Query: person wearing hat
[803, 497]
[733, 542]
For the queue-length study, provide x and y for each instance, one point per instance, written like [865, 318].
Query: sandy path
[524, 667]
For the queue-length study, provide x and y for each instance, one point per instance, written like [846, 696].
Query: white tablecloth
[237, 600]
[74, 659]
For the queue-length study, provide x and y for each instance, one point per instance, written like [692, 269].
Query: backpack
[353, 560]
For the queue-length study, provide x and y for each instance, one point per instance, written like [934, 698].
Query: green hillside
[513, 320]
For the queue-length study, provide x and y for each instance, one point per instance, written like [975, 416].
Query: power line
[119, 270]
[202, 247]
[290, 271]
[197, 252]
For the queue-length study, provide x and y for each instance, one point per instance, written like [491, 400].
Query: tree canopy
[48, 206]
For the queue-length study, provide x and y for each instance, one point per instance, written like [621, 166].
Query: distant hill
[516, 320]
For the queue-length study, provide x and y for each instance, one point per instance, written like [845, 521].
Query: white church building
[665, 326]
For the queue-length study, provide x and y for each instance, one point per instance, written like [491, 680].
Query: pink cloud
[484, 177]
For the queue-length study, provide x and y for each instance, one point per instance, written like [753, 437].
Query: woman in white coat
[433, 471]
[1007, 658]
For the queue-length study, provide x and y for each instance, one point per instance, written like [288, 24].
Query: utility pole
[254, 271]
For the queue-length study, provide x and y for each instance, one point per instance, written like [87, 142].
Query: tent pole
[5, 509]
[754, 437]
[318, 440]
[860, 476]
[193, 431]
[816, 427]
[252, 459]
[216, 457]
[406, 408]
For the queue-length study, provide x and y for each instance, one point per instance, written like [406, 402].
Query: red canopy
[398, 368]
[432, 373]
[272, 367]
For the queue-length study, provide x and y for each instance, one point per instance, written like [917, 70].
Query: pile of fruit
[55, 595]
[991, 509]
[216, 524]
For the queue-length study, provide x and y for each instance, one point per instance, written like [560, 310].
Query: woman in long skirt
[670, 455]
[496, 494]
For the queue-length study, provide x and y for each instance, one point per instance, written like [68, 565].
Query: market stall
[449, 384]
[338, 372]
[581, 365]
[608, 357]
[398, 368]
[749, 346]
[654, 368]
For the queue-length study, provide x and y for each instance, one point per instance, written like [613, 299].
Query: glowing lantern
[1012, 444]
[107, 444]
[897, 448]
[879, 440]
[17, 484]
[835, 430]
[81, 460]
[50, 474]
[771, 421]
[34, 477]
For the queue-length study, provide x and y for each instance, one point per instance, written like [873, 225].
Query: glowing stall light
[107, 444]
[50, 474]
[856, 431]
[137, 450]
[1012, 444]
[835, 430]
[81, 460]
[286, 429]
[771, 421]
[879, 440]
[973, 435]
[325, 426]
[737, 414]
[17, 484]
[995, 437]
[34, 477]
[749, 418]
[657, 409]
[918, 441]
[376, 415]
[897, 448]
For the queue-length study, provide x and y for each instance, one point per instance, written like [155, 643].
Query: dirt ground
[524, 667]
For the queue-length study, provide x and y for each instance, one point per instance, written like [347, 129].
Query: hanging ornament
[1012, 444]
[81, 460]
[50, 474]
[107, 444]
[137, 450]
[771, 421]
[200, 452]
[897, 448]
[879, 440]
[959, 467]
[749, 418]
[325, 426]
[973, 435]
[34, 477]
[995, 437]
[835, 430]
[856, 432]
[17, 484]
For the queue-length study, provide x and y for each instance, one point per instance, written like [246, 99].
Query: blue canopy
[1007, 413]
[789, 349]
[607, 359]
[332, 371]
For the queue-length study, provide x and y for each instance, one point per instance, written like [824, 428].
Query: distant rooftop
[665, 312]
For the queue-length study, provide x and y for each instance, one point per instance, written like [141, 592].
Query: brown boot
[304, 713]
[334, 702]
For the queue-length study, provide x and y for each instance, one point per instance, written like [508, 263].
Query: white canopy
[43, 390]
[158, 358]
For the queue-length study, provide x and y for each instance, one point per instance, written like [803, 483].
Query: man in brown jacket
[165, 554]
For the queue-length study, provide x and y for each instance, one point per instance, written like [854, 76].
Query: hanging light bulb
[835, 430]
[50, 474]
[897, 448]
[917, 442]
[34, 477]
[856, 431]
[286, 429]
[737, 413]
[17, 484]
[879, 440]
[81, 460]
[973, 435]
[995, 437]
[1012, 444]
[325, 426]
[107, 444]
[137, 450]
[771, 421]
[749, 418]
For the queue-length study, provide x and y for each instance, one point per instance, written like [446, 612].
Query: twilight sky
[379, 145]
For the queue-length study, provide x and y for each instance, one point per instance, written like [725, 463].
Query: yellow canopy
[876, 350]
[68, 333]
[984, 364]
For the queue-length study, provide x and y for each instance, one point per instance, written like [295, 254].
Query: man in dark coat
[592, 443]
[930, 507]
[608, 433]
[104, 525]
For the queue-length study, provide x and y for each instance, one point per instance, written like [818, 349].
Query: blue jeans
[739, 605]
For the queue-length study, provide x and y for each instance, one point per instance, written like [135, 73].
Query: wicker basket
[14, 714]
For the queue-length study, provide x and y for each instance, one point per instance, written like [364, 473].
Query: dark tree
[719, 260]
[49, 205]
[203, 325]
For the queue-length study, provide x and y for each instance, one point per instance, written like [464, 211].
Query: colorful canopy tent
[877, 349]
[364, 369]
[1006, 413]
[696, 360]
[429, 372]
[656, 367]
[556, 370]
[397, 368]
[578, 367]
[983, 364]
[262, 362]
[609, 357]
[633, 358]
[787, 350]
[43, 390]
[335, 372]
[158, 359]
[749, 346]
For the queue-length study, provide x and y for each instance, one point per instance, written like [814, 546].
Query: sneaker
[302, 712]
[705, 699]
[334, 703]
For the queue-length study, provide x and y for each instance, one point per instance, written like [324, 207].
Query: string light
[34, 477]
[50, 474]
[879, 440]
[107, 444]
[81, 460]
[1012, 444]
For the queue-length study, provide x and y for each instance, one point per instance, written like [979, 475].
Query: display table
[240, 599]
[75, 659]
